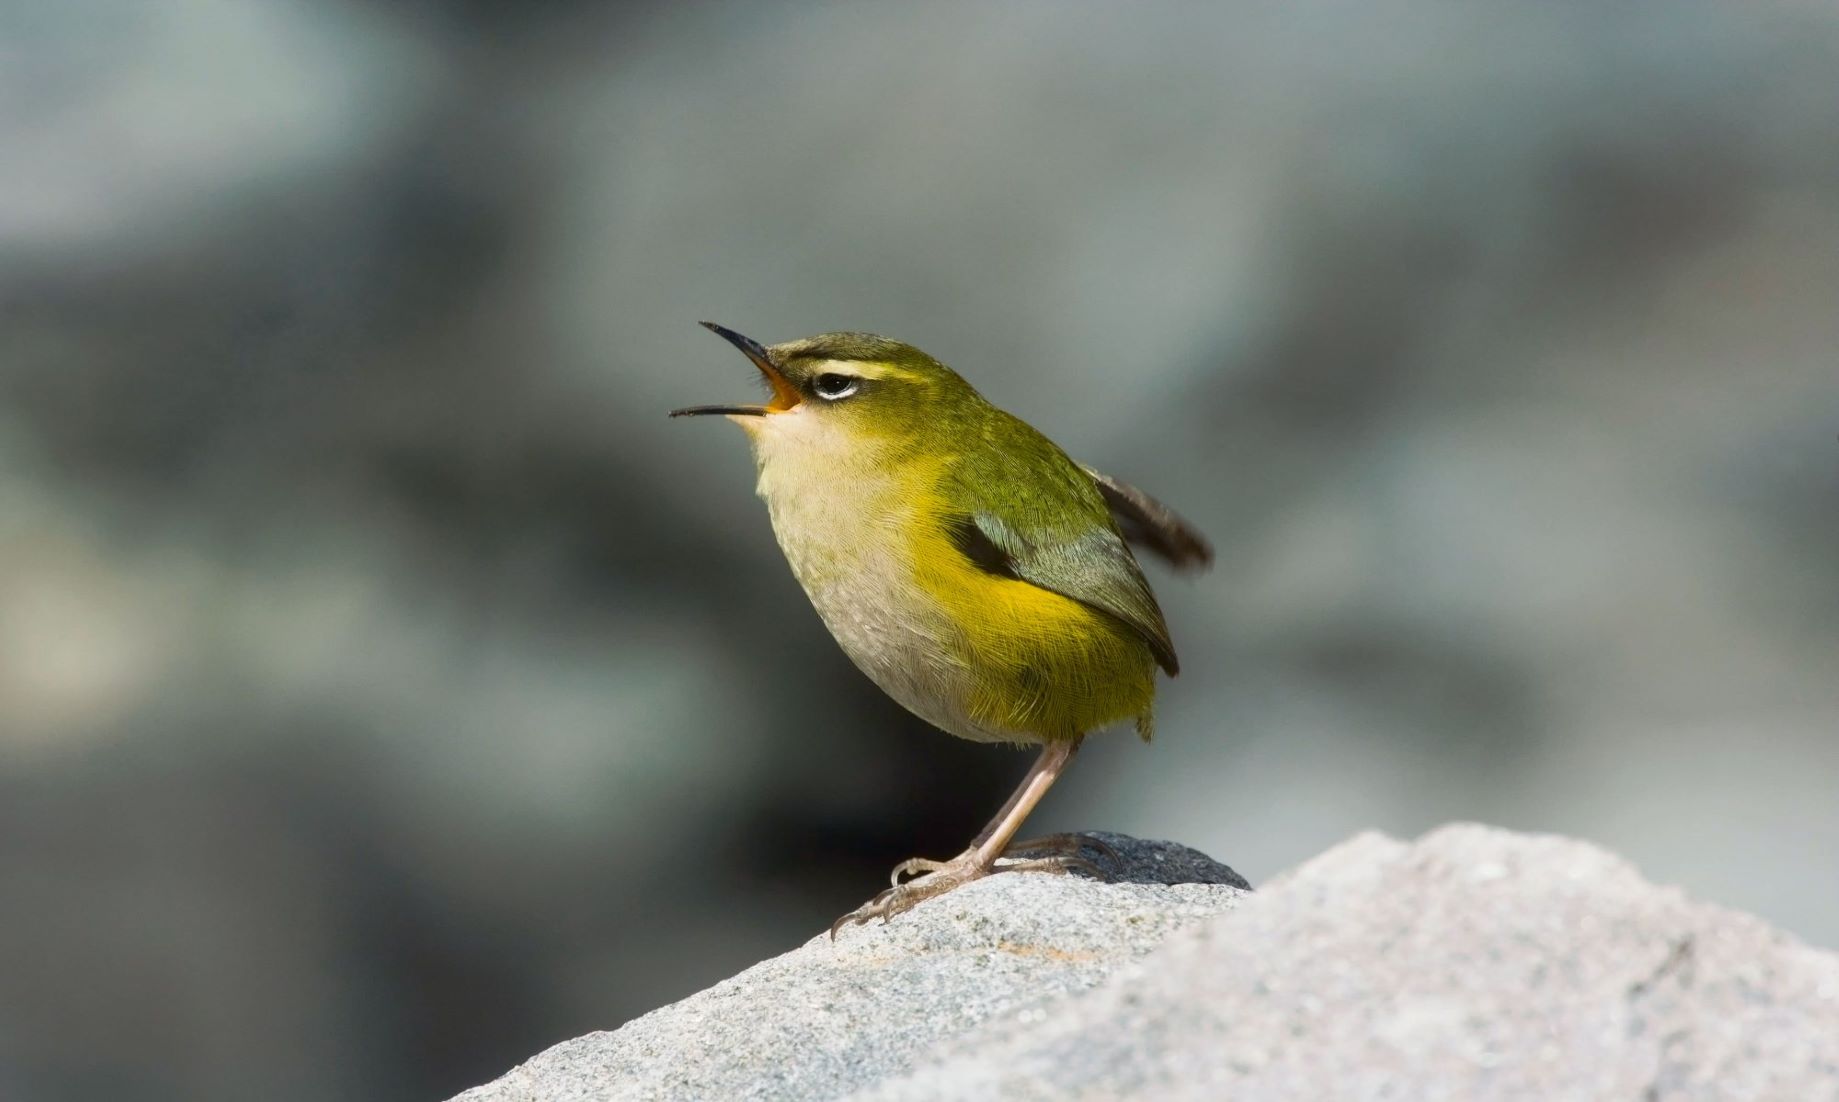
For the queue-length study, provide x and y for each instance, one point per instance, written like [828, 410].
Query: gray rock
[1472, 964]
[830, 1018]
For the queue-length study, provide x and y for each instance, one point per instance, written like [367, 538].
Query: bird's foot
[930, 878]
[1051, 852]
[1055, 853]
[1071, 848]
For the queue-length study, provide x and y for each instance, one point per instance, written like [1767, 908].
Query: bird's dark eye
[833, 387]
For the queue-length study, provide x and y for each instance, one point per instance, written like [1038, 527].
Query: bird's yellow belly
[976, 654]
[1041, 664]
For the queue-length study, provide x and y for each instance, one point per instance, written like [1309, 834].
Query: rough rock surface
[828, 1019]
[1471, 964]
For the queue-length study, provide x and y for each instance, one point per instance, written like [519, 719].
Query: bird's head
[843, 388]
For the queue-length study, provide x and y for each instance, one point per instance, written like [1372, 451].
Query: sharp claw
[919, 866]
[1060, 864]
[1064, 847]
[930, 878]
[1105, 849]
[933, 878]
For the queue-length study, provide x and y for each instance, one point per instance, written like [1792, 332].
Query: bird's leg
[1012, 808]
[932, 878]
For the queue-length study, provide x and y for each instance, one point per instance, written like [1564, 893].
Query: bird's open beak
[785, 396]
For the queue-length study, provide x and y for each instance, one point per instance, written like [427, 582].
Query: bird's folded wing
[1091, 566]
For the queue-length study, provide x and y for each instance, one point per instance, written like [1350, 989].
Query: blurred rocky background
[388, 690]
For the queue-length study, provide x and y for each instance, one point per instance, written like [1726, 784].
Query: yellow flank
[1040, 664]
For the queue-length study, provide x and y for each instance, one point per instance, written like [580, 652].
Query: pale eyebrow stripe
[867, 369]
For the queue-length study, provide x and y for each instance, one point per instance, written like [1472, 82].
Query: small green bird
[971, 569]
